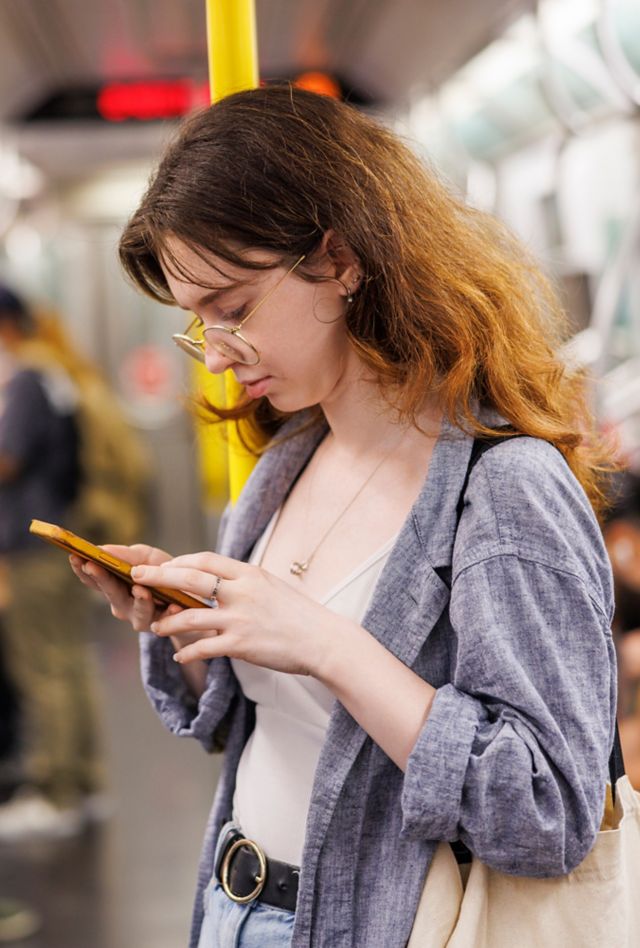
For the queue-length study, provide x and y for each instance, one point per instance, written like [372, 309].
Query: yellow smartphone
[88, 551]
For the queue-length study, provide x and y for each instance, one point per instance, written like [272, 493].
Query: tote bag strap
[616, 763]
[480, 447]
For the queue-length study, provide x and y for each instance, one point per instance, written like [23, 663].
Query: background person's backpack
[110, 502]
[111, 506]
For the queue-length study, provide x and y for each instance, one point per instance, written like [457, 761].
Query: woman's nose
[215, 362]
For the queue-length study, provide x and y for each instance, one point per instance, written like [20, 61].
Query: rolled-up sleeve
[202, 718]
[513, 756]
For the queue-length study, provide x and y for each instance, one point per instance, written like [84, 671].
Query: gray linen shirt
[513, 756]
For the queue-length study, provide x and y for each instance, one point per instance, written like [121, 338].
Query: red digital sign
[150, 100]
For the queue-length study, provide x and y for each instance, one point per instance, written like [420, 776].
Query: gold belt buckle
[261, 878]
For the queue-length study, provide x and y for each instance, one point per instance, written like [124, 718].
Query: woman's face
[299, 331]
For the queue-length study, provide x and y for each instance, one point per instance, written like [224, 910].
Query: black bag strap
[616, 763]
[480, 447]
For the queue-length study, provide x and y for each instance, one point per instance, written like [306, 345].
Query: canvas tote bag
[595, 906]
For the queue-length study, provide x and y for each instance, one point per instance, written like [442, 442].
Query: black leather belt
[246, 874]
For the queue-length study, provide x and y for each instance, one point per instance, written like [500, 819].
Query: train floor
[127, 882]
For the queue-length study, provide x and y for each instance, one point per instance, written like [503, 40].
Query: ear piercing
[351, 288]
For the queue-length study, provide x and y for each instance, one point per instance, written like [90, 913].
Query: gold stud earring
[348, 289]
[351, 288]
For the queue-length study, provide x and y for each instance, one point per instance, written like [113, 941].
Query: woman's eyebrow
[215, 294]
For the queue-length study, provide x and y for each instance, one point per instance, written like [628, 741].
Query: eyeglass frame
[196, 347]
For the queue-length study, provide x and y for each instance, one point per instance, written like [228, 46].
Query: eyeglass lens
[192, 347]
[230, 345]
[224, 342]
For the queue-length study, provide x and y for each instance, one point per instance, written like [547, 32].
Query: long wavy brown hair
[451, 303]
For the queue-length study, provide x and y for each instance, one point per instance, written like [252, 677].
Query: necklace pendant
[298, 569]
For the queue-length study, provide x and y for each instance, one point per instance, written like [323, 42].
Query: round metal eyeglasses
[227, 341]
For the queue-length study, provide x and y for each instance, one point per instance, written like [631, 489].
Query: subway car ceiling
[385, 47]
[467, 80]
[384, 53]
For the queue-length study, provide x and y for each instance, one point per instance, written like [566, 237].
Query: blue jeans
[227, 924]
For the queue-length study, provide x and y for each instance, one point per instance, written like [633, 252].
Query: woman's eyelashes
[218, 314]
[228, 314]
[235, 314]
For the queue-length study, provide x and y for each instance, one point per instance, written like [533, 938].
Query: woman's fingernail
[177, 657]
[137, 572]
[154, 627]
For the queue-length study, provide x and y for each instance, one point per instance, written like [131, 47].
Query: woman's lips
[258, 388]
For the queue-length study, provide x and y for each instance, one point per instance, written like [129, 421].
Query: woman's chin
[289, 403]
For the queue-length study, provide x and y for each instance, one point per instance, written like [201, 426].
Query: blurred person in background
[404, 647]
[9, 707]
[116, 469]
[46, 473]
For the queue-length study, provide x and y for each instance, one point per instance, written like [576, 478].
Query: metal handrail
[617, 61]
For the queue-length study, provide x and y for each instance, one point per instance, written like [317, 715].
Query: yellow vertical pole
[231, 42]
[233, 66]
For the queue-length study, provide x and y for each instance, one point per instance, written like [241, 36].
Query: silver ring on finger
[216, 589]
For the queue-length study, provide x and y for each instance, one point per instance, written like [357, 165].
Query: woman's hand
[259, 618]
[131, 604]
[264, 620]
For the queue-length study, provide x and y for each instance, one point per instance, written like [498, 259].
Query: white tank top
[278, 764]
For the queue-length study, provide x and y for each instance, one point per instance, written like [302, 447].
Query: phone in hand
[68, 541]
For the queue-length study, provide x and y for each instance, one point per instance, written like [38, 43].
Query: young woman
[404, 649]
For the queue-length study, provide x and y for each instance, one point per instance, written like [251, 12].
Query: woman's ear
[343, 263]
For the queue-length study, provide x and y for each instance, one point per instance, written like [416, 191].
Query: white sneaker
[17, 920]
[31, 816]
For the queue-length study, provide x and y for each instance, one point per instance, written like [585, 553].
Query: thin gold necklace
[300, 567]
